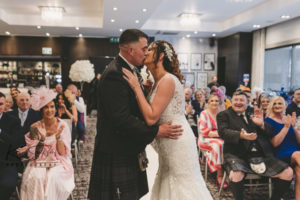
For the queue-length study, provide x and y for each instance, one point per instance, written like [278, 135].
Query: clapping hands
[258, 117]
[247, 136]
[289, 120]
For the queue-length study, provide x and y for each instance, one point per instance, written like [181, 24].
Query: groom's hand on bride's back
[167, 130]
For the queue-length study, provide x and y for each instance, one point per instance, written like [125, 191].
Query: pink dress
[214, 145]
[51, 175]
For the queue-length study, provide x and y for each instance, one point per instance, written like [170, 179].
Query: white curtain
[258, 53]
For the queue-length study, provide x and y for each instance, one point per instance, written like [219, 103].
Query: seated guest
[227, 100]
[49, 173]
[199, 102]
[209, 138]
[59, 88]
[214, 82]
[80, 106]
[285, 137]
[294, 106]
[9, 104]
[263, 103]
[247, 149]
[9, 141]
[67, 110]
[14, 92]
[189, 111]
[27, 115]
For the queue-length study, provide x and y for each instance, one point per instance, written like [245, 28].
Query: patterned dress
[214, 146]
[51, 175]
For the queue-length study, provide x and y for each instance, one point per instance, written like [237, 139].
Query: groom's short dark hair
[131, 35]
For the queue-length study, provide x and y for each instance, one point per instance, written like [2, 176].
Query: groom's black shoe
[237, 189]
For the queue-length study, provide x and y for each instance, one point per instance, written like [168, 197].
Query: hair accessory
[168, 51]
[41, 96]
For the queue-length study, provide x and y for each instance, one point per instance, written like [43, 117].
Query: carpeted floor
[82, 172]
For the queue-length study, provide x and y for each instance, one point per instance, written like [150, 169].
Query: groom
[121, 131]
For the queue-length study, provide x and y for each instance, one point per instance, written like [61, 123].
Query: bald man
[26, 115]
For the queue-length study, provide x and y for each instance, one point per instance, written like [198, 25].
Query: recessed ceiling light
[112, 20]
[285, 17]
[48, 34]
[38, 27]
[77, 28]
[188, 35]
[80, 35]
[214, 35]
[195, 32]
[144, 10]
[183, 38]
[7, 33]
[137, 21]
[115, 8]
[121, 30]
[256, 26]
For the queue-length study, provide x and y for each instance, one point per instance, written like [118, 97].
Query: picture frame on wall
[196, 61]
[209, 63]
[201, 80]
[189, 78]
[184, 61]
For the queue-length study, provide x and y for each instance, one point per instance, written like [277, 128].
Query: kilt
[273, 165]
[112, 174]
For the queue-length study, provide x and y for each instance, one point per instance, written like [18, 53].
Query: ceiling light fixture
[38, 27]
[214, 35]
[285, 17]
[240, 1]
[188, 35]
[121, 30]
[80, 35]
[256, 26]
[195, 32]
[112, 20]
[137, 21]
[144, 10]
[115, 8]
[48, 34]
[52, 13]
[189, 19]
[77, 28]
[7, 33]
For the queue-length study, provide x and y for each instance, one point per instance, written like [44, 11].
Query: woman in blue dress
[285, 137]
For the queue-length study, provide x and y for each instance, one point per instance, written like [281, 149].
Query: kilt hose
[115, 177]
[273, 165]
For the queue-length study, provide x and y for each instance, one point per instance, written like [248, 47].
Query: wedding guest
[199, 102]
[285, 136]
[190, 113]
[9, 104]
[92, 98]
[49, 173]
[27, 115]
[14, 92]
[263, 103]
[59, 88]
[246, 149]
[214, 82]
[9, 141]
[293, 107]
[209, 138]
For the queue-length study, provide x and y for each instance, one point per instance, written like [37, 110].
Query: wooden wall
[234, 56]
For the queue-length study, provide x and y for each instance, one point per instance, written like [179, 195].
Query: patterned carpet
[82, 172]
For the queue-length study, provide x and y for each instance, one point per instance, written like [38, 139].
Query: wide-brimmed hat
[41, 97]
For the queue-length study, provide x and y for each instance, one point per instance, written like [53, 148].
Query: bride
[178, 175]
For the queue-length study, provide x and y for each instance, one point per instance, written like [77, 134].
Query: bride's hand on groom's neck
[167, 130]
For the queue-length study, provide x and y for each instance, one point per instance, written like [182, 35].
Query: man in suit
[247, 144]
[190, 113]
[9, 141]
[122, 134]
[294, 106]
[26, 115]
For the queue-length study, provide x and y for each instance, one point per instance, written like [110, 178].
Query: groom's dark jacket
[121, 133]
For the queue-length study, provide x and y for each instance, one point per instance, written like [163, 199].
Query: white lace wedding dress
[179, 176]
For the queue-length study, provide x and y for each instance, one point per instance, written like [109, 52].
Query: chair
[251, 178]
[203, 152]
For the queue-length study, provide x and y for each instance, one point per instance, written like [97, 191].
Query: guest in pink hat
[49, 173]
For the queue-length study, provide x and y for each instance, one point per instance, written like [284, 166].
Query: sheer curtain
[258, 53]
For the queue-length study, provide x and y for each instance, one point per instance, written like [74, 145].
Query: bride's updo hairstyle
[170, 60]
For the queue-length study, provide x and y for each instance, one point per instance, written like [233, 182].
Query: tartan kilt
[111, 173]
[273, 165]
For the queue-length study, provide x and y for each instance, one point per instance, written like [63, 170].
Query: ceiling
[93, 17]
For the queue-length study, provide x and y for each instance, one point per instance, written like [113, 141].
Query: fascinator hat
[41, 97]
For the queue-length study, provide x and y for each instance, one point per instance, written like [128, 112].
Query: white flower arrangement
[82, 71]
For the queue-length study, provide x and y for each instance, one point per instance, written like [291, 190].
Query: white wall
[191, 46]
[283, 34]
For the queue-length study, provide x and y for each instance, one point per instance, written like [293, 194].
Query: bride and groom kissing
[128, 121]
